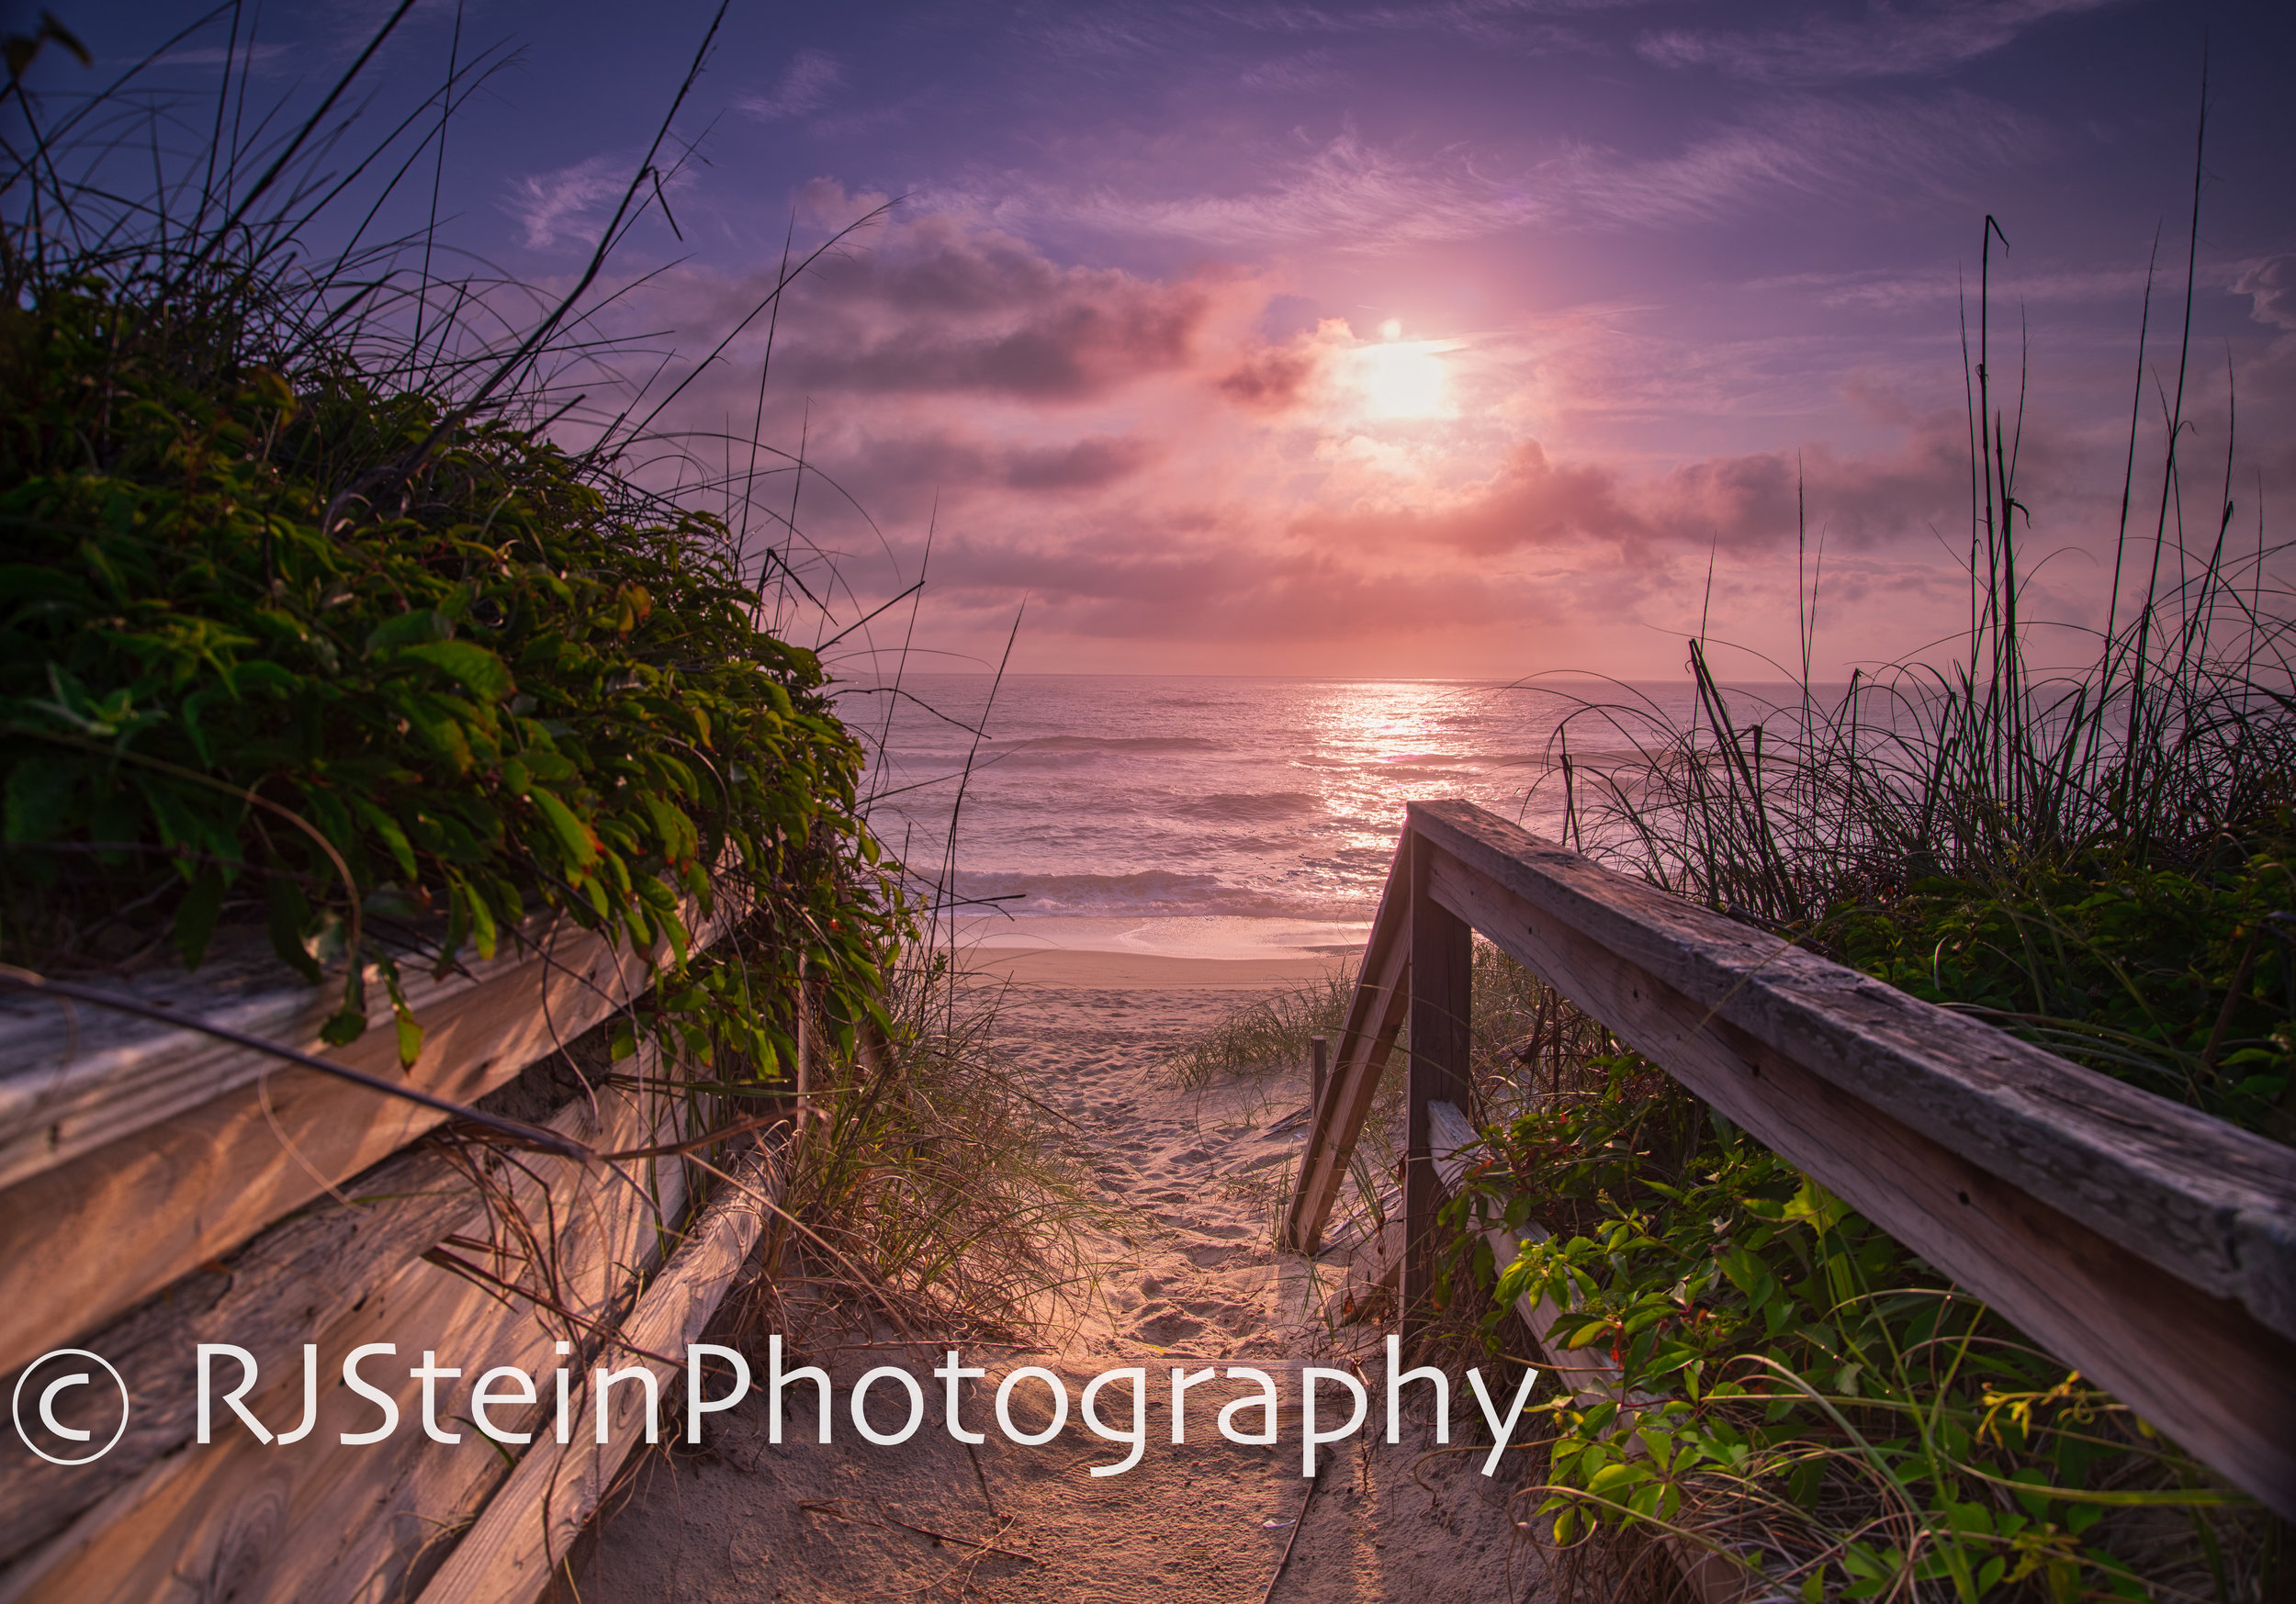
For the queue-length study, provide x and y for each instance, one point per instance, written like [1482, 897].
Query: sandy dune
[1189, 1274]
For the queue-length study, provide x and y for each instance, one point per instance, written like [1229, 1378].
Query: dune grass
[2093, 857]
[1266, 1035]
[320, 626]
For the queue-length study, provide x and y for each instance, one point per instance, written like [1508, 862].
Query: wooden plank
[1374, 1017]
[74, 1077]
[87, 1238]
[2018, 1228]
[1441, 988]
[509, 1554]
[319, 1522]
[2212, 1205]
[286, 1288]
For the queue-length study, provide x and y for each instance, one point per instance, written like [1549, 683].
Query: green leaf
[195, 916]
[290, 918]
[483, 935]
[408, 629]
[40, 799]
[472, 666]
[409, 1034]
[443, 735]
[394, 838]
[581, 846]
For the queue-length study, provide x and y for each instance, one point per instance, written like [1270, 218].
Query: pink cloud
[1170, 489]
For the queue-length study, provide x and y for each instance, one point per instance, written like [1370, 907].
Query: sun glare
[1402, 378]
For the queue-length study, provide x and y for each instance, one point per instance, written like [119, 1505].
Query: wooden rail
[159, 1189]
[109, 1123]
[2146, 1243]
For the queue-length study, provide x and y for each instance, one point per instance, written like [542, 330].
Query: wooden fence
[2146, 1244]
[162, 1188]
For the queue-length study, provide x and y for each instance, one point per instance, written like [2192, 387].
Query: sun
[1399, 377]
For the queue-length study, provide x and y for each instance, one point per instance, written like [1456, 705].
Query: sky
[1474, 339]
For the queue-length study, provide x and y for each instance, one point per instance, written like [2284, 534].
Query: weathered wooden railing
[2150, 1246]
[160, 1188]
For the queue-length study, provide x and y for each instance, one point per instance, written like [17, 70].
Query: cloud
[1274, 378]
[1530, 502]
[1744, 502]
[1172, 487]
[1897, 290]
[1351, 195]
[550, 205]
[946, 306]
[1885, 41]
[1520, 26]
[1299, 75]
[1805, 149]
[1083, 465]
[2271, 283]
[805, 88]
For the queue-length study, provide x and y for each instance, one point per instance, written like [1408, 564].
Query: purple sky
[1399, 338]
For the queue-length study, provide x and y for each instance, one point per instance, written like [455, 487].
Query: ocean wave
[1116, 744]
[1250, 807]
[1150, 893]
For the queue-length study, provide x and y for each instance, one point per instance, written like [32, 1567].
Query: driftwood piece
[286, 1288]
[76, 1076]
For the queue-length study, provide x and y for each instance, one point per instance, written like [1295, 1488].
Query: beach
[1186, 1273]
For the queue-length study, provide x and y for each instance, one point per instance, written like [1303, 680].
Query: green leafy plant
[1798, 1396]
[2178, 980]
[307, 624]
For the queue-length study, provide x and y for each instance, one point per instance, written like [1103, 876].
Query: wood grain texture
[84, 1239]
[74, 1077]
[329, 1523]
[2213, 1206]
[508, 1556]
[1441, 987]
[2199, 1365]
[291, 1284]
[1374, 1017]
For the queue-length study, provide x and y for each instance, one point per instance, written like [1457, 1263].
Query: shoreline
[1080, 969]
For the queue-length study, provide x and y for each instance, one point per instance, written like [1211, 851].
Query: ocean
[1202, 815]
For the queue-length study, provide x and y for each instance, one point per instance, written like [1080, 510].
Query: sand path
[1188, 1269]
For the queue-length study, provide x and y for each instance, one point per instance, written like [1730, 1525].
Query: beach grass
[1265, 1037]
[2092, 856]
[334, 636]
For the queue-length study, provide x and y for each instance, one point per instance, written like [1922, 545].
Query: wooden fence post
[1320, 1065]
[1442, 972]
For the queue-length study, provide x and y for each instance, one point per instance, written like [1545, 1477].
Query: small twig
[2232, 1000]
[1298, 1521]
[981, 1475]
[609, 1336]
[830, 1507]
[695, 1144]
[965, 1542]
